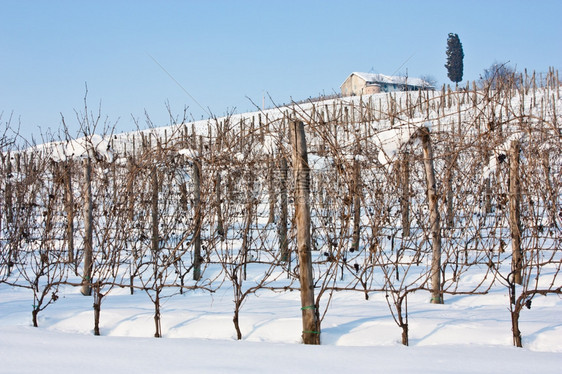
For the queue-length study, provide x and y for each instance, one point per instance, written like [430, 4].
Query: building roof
[388, 79]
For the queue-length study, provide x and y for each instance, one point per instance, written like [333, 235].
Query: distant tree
[455, 56]
[498, 75]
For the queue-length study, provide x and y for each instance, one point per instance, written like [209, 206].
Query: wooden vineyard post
[69, 205]
[131, 175]
[8, 208]
[405, 198]
[356, 205]
[515, 211]
[283, 243]
[130, 188]
[436, 292]
[271, 191]
[8, 191]
[310, 320]
[487, 196]
[218, 202]
[197, 209]
[448, 186]
[249, 212]
[154, 215]
[88, 239]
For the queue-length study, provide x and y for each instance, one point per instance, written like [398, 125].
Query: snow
[94, 146]
[501, 151]
[319, 163]
[390, 141]
[199, 336]
[189, 153]
[24, 350]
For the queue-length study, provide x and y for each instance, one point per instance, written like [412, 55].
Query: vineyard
[434, 193]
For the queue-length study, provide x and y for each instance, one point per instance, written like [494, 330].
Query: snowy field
[467, 334]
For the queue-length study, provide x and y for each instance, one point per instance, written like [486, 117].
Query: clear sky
[224, 52]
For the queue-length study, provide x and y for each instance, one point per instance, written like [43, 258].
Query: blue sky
[224, 52]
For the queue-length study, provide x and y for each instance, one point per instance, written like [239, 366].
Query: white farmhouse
[368, 83]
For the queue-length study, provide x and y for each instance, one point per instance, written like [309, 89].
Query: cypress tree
[455, 55]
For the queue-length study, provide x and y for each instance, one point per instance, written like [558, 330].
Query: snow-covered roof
[389, 79]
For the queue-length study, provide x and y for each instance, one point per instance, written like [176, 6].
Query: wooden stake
[448, 186]
[88, 218]
[405, 198]
[155, 239]
[69, 205]
[197, 209]
[515, 211]
[436, 291]
[310, 320]
[271, 191]
[356, 204]
[283, 243]
[218, 203]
